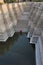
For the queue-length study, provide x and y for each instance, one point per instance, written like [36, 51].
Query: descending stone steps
[3, 33]
[8, 22]
[25, 16]
[38, 53]
[25, 8]
[33, 23]
[11, 14]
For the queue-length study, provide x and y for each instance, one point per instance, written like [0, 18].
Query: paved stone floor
[19, 53]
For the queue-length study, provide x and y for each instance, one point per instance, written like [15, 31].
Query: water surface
[17, 51]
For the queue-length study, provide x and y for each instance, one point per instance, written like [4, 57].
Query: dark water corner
[17, 51]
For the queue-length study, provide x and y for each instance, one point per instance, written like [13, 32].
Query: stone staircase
[25, 16]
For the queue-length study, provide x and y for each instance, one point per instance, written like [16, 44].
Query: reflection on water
[5, 46]
[33, 45]
[17, 50]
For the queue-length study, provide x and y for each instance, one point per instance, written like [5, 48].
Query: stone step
[41, 47]
[40, 24]
[22, 22]
[3, 37]
[24, 8]
[30, 32]
[36, 19]
[38, 54]
[17, 10]
[8, 23]
[34, 39]
[27, 16]
[24, 13]
[11, 13]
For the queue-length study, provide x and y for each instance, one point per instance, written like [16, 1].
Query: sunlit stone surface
[21, 16]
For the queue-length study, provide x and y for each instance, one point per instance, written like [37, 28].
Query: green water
[17, 51]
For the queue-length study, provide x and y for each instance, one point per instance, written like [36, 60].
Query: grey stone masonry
[25, 16]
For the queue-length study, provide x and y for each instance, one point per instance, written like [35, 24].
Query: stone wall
[27, 16]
